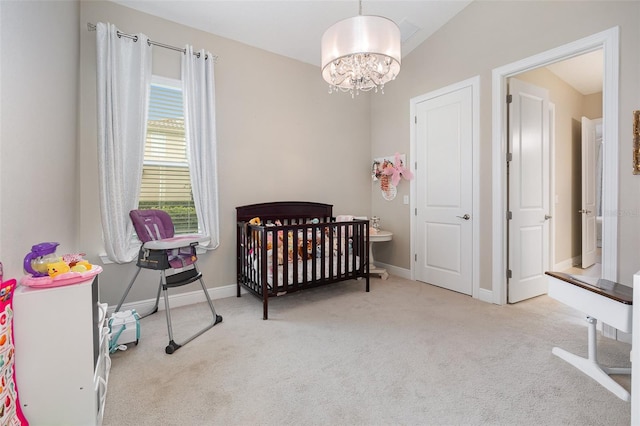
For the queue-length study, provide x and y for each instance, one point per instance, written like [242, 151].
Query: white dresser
[62, 353]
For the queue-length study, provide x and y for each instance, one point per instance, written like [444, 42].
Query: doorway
[608, 41]
[589, 265]
[571, 206]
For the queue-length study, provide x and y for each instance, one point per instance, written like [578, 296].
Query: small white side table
[379, 237]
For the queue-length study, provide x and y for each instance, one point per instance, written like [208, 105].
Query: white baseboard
[394, 270]
[182, 299]
[485, 295]
[615, 334]
[567, 263]
[196, 296]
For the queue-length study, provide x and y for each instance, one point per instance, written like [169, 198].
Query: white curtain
[198, 86]
[123, 83]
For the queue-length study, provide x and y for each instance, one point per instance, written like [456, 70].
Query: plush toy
[305, 254]
[270, 241]
[255, 235]
[56, 268]
[72, 258]
[290, 246]
[81, 266]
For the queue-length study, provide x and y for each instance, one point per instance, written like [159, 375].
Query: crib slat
[341, 248]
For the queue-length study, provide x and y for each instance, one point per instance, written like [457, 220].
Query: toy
[305, 254]
[57, 268]
[35, 262]
[81, 266]
[73, 258]
[10, 411]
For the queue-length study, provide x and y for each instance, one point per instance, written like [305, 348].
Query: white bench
[611, 303]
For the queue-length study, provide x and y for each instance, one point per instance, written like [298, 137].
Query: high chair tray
[67, 278]
[175, 242]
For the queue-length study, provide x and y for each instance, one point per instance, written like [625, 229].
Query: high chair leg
[126, 292]
[153, 310]
[173, 345]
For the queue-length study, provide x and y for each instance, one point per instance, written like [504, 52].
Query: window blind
[166, 182]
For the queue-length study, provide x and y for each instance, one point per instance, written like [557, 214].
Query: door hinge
[415, 213]
[509, 215]
[415, 166]
[509, 157]
[415, 257]
[509, 274]
[415, 119]
[509, 99]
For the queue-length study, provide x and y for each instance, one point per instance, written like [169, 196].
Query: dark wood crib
[288, 246]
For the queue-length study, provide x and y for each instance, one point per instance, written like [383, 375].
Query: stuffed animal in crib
[290, 246]
[270, 241]
[305, 254]
[255, 235]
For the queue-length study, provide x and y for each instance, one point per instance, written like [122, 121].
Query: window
[166, 183]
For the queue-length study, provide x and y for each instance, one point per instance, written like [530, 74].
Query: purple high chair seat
[151, 225]
[156, 231]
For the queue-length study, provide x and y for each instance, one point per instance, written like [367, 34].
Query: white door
[528, 191]
[444, 190]
[588, 203]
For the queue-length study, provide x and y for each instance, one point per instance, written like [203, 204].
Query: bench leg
[590, 366]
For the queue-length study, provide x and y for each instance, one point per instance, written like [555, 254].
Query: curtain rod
[92, 27]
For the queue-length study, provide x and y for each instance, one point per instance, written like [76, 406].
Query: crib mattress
[346, 264]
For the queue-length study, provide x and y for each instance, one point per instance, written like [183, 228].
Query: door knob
[547, 217]
[584, 211]
[465, 217]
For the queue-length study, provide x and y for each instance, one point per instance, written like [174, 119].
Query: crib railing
[275, 259]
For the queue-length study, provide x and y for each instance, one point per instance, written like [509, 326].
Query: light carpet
[406, 353]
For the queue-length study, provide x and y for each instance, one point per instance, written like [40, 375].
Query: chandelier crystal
[360, 54]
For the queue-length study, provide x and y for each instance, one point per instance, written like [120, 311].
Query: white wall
[39, 196]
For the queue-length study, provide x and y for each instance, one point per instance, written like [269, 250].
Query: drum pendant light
[361, 53]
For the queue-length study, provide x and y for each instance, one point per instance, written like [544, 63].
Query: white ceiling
[584, 73]
[293, 28]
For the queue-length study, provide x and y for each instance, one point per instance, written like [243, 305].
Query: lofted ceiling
[293, 28]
